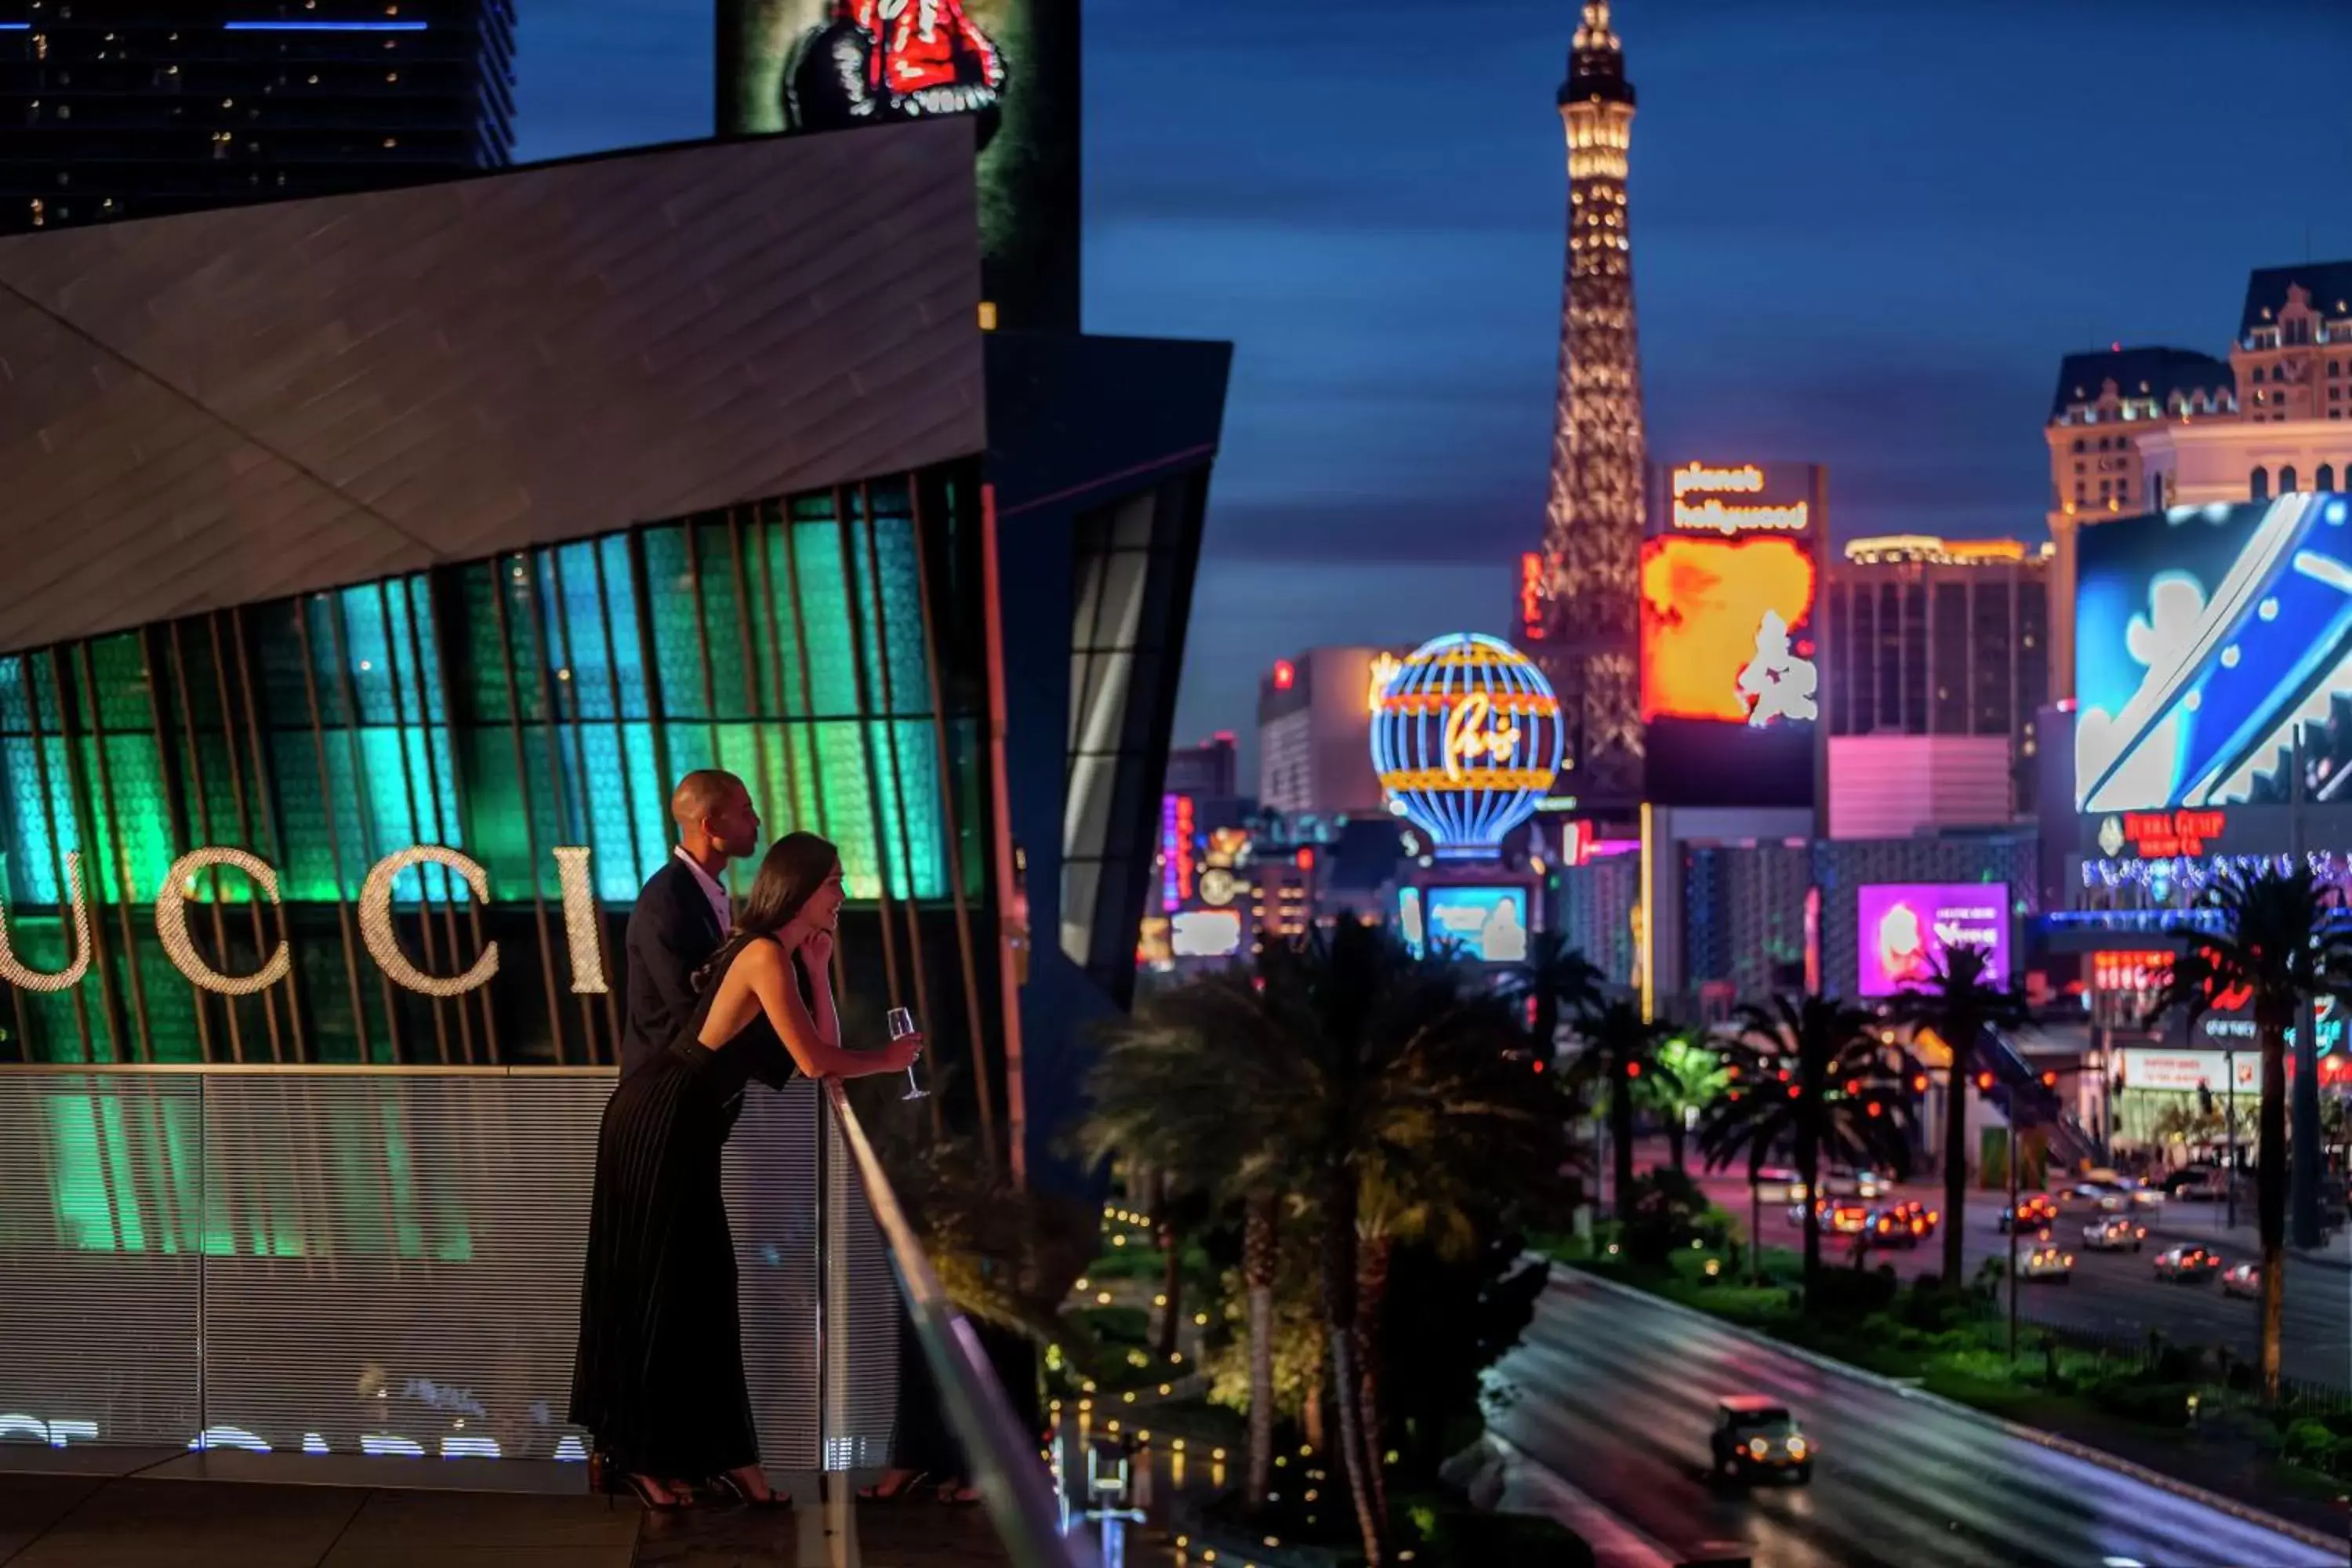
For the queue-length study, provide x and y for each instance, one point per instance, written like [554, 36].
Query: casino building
[377, 560]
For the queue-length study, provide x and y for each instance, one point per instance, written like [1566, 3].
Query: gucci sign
[376, 929]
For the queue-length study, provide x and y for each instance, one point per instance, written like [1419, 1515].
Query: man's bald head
[716, 820]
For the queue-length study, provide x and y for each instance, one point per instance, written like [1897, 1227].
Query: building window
[2326, 479]
[2258, 376]
[2258, 484]
[2078, 447]
[2334, 368]
[2286, 480]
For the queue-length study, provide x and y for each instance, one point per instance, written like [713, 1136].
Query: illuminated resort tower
[1592, 522]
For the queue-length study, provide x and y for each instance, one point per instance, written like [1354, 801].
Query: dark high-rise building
[122, 109]
[1940, 637]
[1592, 522]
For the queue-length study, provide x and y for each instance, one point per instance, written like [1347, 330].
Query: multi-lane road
[1614, 1394]
[2118, 1293]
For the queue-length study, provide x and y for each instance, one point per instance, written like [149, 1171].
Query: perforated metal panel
[100, 1286]
[861, 1392]
[380, 1262]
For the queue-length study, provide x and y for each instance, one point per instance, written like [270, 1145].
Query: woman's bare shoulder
[762, 954]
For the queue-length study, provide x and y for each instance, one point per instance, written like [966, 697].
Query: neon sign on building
[1466, 738]
[1710, 513]
[1531, 597]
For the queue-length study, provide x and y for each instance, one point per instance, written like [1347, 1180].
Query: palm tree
[1810, 1072]
[2278, 939]
[1377, 1087]
[1174, 1087]
[1959, 1004]
[1684, 1078]
[1620, 1045]
[1556, 982]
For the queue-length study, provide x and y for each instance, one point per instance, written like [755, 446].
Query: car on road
[2115, 1232]
[1893, 1227]
[1919, 1215]
[1756, 1437]
[1776, 1185]
[2191, 1264]
[2046, 1263]
[2205, 1186]
[2092, 1196]
[2034, 1211]
[2176, 1182]
[1845, 1184]
[2137, 1194]
[1838, 1218]
[2245, 1280]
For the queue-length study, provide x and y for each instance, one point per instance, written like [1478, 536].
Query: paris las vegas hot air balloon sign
[1466, 738]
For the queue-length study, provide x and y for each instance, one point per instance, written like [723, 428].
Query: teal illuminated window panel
[118, 664]
[626, 806]
[395, 792]
[678, 635]
[134, 826]
[725, 612]
[831, 654]
[35, 869]
[212, 813]
[917, 858]
[902, 607]
[481, 667]
[498, 805]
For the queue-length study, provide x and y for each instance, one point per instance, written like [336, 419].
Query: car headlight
[1757, 1447]
[1797, 1447]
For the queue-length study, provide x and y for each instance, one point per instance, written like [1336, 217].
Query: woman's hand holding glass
[903, 1051]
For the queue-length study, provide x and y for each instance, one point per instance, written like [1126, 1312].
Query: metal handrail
[301, 1070]
[1002, 1456]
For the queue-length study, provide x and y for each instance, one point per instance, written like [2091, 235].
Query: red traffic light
[1632, 1070]
[2050, 1080]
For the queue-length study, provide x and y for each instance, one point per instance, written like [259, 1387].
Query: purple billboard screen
[1902, 930]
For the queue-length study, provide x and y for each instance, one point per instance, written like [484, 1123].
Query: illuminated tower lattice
[1593, 523]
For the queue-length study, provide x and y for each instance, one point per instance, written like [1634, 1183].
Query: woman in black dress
[659, 1375]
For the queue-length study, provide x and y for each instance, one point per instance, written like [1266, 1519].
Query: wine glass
[902, 1024]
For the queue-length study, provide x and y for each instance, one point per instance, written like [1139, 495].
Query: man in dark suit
[682, 915]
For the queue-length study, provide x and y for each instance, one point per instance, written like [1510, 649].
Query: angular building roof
[236, 405]
[2329, 283]
[2157, 373]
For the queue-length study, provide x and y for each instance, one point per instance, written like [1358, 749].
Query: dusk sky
[1863, 234]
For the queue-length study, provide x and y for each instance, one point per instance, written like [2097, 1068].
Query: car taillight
[2070, 1260]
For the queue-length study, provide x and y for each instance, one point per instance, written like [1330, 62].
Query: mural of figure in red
[894, 59]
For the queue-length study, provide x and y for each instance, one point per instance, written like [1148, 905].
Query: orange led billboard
[1727, 630]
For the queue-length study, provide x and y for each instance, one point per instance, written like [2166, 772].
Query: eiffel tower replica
[1592, 520]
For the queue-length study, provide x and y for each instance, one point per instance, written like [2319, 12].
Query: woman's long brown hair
[792, 871]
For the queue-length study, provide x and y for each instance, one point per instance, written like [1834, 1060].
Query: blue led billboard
[1488, 925]
[2203, 637]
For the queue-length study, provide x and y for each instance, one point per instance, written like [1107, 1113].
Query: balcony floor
[124, 1508]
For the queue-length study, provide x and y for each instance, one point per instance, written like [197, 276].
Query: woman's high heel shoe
[736, 1494]
[606, 1477]
[898, 1493]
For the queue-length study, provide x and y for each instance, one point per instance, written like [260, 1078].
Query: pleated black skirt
[659, 1374]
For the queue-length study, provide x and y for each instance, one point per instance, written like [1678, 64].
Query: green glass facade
[827, 648]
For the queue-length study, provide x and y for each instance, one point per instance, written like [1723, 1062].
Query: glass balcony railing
[317, 1260]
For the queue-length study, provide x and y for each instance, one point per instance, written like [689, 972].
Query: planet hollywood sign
[377, 932]
[1748, 513]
